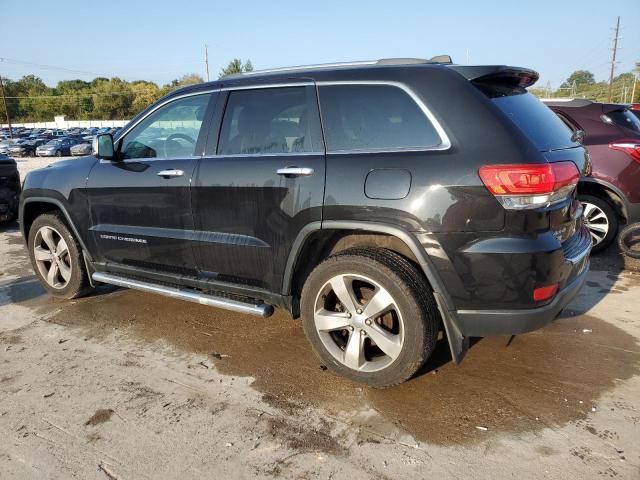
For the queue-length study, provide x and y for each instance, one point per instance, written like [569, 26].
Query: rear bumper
[483, 323]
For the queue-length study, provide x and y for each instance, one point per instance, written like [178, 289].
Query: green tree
[581, 78]
[112, 99]
[144, 94]
[236, 66]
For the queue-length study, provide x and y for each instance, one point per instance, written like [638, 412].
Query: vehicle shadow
[605, 270]
[606, 267]
[9, 227]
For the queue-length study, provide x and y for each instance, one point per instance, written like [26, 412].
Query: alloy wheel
[596, 221]
[359, 322]
[52, 258]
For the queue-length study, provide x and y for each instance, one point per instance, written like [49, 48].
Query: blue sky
[163, 39]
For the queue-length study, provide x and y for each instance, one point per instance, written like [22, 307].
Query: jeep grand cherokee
[377, 200]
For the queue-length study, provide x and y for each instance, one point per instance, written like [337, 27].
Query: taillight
[530, 185]
[630, 147]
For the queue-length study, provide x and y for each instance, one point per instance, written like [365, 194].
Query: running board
[261, 310]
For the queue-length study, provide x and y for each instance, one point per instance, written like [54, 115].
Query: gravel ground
[124, 385]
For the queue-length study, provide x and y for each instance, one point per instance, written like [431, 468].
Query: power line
[49, 67]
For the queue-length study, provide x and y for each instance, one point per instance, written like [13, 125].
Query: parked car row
[44, 143]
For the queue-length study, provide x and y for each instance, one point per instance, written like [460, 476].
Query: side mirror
[103, 146]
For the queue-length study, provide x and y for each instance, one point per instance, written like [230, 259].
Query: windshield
[626, 119]
[55, 142]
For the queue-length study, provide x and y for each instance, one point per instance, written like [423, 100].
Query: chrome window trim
[152, 159]
[444, 144]
[284, 154]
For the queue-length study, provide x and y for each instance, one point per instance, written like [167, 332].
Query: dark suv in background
[611, 133]
[9, 188]
[377, 200]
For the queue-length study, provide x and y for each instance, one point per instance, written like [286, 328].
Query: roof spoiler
[515, 77]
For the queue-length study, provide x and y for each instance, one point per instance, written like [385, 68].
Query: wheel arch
[612, 194]
[318, 240]
[32, 207]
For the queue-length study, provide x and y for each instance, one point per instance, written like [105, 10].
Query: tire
[598, 215]
[628, 238]
[76, 282]
[409, 327]
[58, 153]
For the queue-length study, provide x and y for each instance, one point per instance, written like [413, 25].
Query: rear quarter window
[625, 119]
[537, 121]
[373, 117]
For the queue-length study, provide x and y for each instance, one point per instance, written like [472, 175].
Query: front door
[140, 203]
[259, 184]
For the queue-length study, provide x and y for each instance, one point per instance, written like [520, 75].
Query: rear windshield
[626, 119]
[543, 127]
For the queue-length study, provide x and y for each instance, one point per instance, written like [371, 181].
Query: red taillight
[630, 147]
[545, 293]
[529, 185]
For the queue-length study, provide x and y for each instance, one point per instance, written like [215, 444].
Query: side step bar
[262, 310]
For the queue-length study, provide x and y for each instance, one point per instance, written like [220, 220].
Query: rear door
[260, 182]
[140, 203]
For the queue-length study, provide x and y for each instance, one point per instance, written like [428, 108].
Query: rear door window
[267, 121]
[373, 117]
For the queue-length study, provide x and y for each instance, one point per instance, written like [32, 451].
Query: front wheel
[56, 257]
[370, 316]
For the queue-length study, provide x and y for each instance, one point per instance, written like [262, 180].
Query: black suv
[9, 188]
[379, 201]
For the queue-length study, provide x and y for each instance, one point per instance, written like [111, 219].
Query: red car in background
[611, 133]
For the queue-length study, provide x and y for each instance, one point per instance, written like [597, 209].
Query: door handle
[171, 172]
[295, 171]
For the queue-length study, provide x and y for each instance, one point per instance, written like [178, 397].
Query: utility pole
[6, 107]
[206, 62]
[635, 79]
[613, 58]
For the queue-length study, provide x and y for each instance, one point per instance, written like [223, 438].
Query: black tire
[411, 293]
[78, 284]
[58, 153]
[628, 239]
[612, 219]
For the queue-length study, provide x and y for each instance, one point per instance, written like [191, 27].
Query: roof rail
[383, 61]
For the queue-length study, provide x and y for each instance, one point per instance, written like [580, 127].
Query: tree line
[29, 99]
[582, 84]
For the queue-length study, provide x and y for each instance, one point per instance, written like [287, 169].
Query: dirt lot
[127, 385]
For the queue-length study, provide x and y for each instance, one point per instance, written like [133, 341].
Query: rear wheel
[57, 258]
[370, 316]
[601, 220]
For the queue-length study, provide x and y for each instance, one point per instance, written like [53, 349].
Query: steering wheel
[175, 136]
